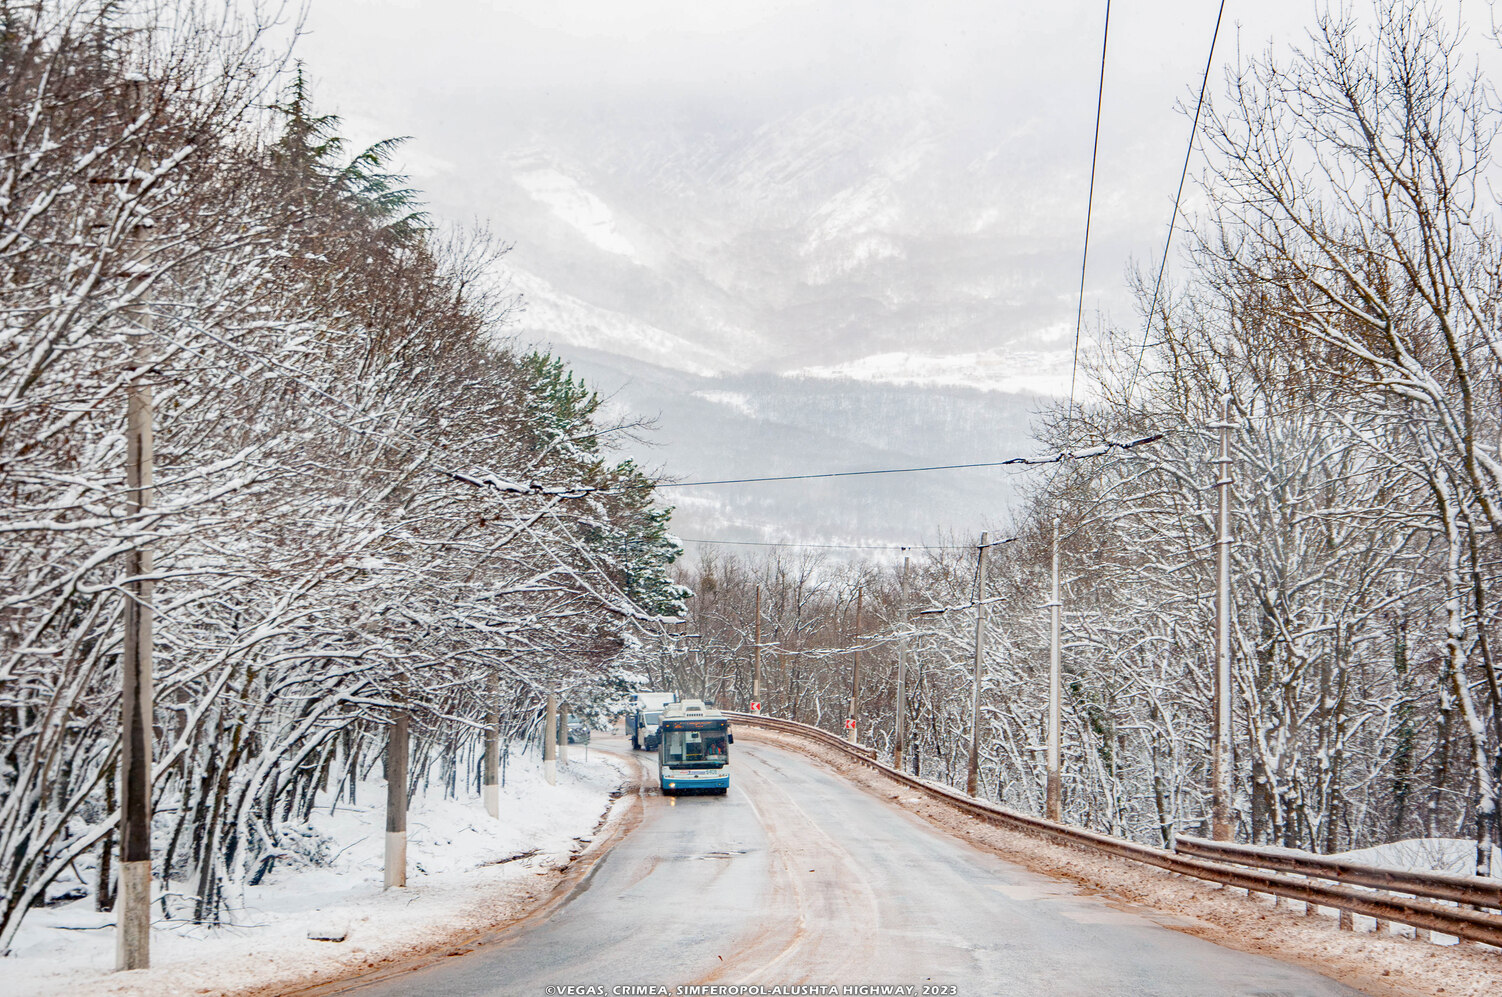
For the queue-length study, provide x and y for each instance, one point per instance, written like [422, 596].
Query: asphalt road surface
[796, 877]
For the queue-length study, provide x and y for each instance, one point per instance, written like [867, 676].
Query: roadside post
[897, 750]
[756, 676]
[490, 788]
[1221, 826]
[855, 673]
[396, 801]
[550, 742]
[133, 901]
[972, 774]
[1055, 800]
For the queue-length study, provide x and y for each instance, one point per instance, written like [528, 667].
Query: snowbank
[1457, 855]
[465, 872]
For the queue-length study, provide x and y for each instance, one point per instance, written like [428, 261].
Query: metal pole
[972, 775]
[1055, 803]
[901, 743]
[1220, 811]
[490, 787]
[133, 905]
[550, 742]
[396, 802]
[756, 678]
[855, 673]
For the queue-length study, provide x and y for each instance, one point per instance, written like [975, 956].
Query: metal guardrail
[1473, 891]
[1436, 901]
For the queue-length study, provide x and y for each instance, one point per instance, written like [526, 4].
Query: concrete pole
[901, 742]
[490, 783]
[855, 673]
[972, 773]
[782, 677]
[396, 801]
[1222, 828]
[133, 904]
[756, 674]
[550, 742]
[1055, 802]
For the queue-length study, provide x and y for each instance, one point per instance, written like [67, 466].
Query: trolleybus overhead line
[1152, 307]
[1079, 318]
[824, 546]
[1086, 453]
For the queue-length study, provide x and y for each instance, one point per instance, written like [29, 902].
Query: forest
[366, 503]
[366, 506]
[1340, 286]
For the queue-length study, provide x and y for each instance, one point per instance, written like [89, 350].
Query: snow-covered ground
[466, 872]
[1457, 855]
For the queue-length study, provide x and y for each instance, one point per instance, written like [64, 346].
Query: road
[798, 877]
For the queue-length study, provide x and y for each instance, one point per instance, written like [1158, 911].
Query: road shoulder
[498, 914]
[472, 881]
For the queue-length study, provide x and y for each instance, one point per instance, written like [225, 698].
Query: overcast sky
[405, 64]
[469, 79]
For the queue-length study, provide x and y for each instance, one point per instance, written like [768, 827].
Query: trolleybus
[693, 752]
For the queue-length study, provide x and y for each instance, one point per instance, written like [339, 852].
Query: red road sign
[755, 707]
[850, 724]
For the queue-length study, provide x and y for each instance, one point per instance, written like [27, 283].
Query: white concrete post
[1220, 810]
[550, 742]
[1055, 808]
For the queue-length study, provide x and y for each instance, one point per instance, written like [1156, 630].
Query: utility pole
[855, 672]
[1220, 808]
[490, 788]
[550, 742]
[787, 691]
[1055, 803]
[901, 744]
[133, 904]
[972, 775]
[396, 801]
[756, 676]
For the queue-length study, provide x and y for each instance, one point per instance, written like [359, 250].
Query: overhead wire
[1177, 199]
[488, 479]
[827, 546]
[1079, 317]
[1056, 458]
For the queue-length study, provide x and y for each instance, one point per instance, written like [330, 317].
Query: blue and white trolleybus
[693, 751]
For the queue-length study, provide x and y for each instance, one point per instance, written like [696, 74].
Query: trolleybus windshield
[706, 748]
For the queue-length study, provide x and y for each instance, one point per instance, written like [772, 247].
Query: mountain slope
[759, 424]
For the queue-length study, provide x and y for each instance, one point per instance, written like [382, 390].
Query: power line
[484, 479]
[824, 546]
[820, 546]
[1058, 458]
[1173, 219]
[1079, 316]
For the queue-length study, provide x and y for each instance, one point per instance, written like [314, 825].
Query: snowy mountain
[861, 283]
[873, 238]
